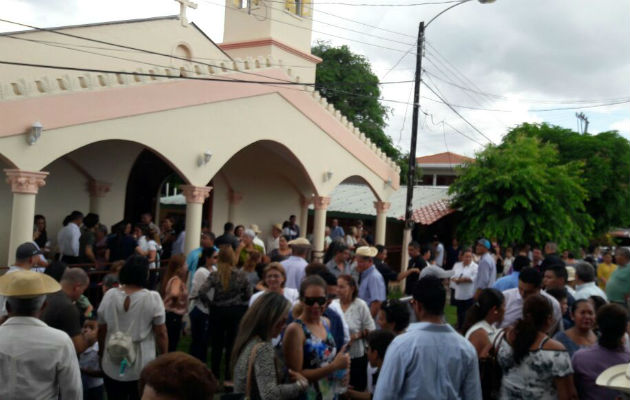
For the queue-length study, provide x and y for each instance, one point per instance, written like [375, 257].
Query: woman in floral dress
[308, 345]
[534, 366]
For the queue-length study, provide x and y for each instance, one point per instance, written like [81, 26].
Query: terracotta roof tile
[443, 158]
[431, 212]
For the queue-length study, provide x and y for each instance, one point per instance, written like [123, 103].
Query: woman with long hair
[480, 327]
[253, 350]
[534, 365]
[581, 334]
[357, 314]
[308, 345]
[175, 294]
[274, 277]
[226, 293]
[199, 313]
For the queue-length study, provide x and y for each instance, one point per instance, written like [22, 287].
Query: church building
[99, 117]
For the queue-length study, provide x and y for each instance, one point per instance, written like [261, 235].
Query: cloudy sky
[516, 57]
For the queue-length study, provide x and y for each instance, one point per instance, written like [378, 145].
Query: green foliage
[606, 172]
[346, 80]
[519, 192]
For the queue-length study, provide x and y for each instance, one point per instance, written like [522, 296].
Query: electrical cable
[458, 114]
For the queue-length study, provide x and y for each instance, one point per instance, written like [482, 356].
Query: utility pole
[582, 118]
[411, 175]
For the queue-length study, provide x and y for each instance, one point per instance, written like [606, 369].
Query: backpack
[120, 346]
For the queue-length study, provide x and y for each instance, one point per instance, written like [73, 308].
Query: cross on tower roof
[182, 10]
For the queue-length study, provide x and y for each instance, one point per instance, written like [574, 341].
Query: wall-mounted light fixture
[328, 176]
[34, 133]
[204, 158]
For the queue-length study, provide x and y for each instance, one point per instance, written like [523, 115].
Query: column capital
[98, 188]
[382, 206]
[195, 194]
[305, 201]
[25, 182]
[321, 202]
[234, 197]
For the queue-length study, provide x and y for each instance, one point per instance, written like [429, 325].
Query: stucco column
[381, 221]
[304, 203]
[319, 226]
[24, 185]
[195, 196]
[98, 190]
[234, 198]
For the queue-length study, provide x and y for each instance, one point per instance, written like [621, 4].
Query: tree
[606, 172]
[346, 80]
[518, 192]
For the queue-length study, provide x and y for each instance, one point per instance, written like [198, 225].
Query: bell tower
[280, 29]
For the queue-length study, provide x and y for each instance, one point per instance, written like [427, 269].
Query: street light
[411, 175]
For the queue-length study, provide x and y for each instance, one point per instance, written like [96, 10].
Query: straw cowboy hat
[299, 242]
[25, 284]
[616, 377]
[366, 251]
[255, 228]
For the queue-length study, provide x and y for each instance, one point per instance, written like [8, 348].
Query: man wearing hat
[26, 257]
[487, 270]
[273, 242]
[371, 283]
[257, 240]
[295, 265]
[36, 361]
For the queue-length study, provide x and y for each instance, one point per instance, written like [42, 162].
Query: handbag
[250, 372]
[490, 371]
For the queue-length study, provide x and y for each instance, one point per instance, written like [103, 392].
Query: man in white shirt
[68, 239]
[296, 264]
[585, 286]
[529, 283]
[273, 242]
[36, 361]
[438, 248]
[257, 240]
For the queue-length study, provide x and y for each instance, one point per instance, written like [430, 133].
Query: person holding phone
[309, 347]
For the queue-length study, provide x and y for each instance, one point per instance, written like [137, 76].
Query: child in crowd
[377, 343]
[91, 374]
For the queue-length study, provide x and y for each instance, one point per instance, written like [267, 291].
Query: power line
[426, 3]
[500, 97]
[313, 30]
[364, 24]
[132, 48]
[457, 113]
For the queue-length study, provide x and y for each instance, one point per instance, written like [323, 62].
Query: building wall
[162, 36]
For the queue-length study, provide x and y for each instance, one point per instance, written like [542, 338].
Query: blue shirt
[337, 232]
[486, 272]
[507, 282]
[372, 286]
[429, 361]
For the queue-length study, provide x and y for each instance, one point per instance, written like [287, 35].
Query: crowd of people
[278, 324]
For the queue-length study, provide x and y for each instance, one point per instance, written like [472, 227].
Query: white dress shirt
[294, 267]
[588, 289]
[68, 240]
[37, 362]
[464, 290]
[514, 308]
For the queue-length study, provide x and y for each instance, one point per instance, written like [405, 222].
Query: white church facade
[103, 114]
